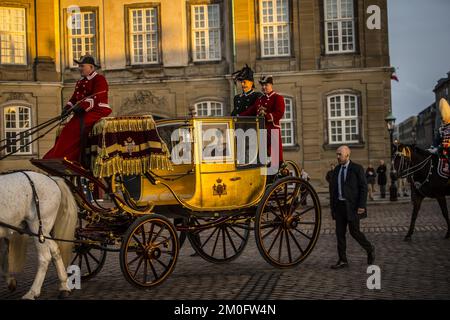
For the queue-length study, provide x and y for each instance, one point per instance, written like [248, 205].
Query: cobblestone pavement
[414, 270]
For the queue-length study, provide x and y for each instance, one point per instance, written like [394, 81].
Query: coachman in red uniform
[271, 106]
[89, 103]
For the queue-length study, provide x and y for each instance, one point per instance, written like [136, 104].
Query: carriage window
[216, 146]
[178, 138]
[246, 139]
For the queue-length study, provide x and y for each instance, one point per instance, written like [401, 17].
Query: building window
[343, 121]
[287, 124]
[209, 109]
[339, 26]
[144, 38]
[12, 36]
[82, 35]
[206, 35]
[274, 28]
[17, 119]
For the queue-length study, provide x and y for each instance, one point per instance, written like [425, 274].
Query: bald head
[343, 154]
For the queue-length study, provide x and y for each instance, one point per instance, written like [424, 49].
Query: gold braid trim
[118, 124]
[137, 166]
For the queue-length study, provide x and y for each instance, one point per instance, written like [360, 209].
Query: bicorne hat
[246, 73]
[87, 59]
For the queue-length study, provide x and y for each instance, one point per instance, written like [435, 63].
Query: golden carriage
[197, 178]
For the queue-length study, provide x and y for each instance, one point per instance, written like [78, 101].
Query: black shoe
[371, 256]
[339, 265]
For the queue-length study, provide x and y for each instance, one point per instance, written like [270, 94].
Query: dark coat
[370, 175]
[243, 101]
[382, 177]
[354, 191]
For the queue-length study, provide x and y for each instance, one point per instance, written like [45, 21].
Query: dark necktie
[342, 178]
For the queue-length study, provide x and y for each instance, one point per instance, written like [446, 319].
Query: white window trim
[274, 24]
[339, 20]
[343, 118]
[144, 33]
[206, 30]
[209, 102]
[291, 121]
[19, 33]
[17, 130]
[83, 36]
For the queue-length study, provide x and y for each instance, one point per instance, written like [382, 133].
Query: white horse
[58, 211]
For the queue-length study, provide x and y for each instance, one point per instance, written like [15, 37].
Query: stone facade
[307, 75]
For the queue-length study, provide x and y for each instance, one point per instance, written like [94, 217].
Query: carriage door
[215, 161]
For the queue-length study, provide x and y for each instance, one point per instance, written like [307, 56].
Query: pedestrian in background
[370, 177]
[382, 178]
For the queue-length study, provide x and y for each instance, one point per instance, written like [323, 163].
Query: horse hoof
[63, 294]
[12, 285]
[407, 239]
[29, 296]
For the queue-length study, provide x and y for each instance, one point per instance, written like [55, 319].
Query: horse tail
[17, 252]
[66, 221]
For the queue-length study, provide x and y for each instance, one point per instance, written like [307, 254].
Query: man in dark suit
[348, 197]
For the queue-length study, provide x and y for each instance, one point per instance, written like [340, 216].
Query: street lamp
[390, 123]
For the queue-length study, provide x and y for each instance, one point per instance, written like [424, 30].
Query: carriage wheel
[287, 222]
[149, 251]
[222, 243]
[294, 169]
[87, 257]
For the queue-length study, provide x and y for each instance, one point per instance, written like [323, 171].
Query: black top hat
[246, 73]
[87, 59]
[266, 79]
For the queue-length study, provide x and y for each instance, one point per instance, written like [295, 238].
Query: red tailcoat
[273, 105]
[96, 106]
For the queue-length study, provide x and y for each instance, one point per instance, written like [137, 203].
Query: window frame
[339, 20]
[69, 55]
[357, 117]
[290, 120]
[24, 34]
[209, 108]
[128, 48]
[16, 130]
[192, 30]
[261, 26]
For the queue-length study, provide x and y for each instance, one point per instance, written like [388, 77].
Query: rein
[410, 171]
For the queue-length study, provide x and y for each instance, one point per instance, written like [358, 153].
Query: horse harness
[410, 171]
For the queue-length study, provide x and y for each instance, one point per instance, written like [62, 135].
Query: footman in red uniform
[89, 103]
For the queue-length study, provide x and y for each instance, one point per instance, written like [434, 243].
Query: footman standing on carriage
[89, 103]
[271, 106]
[248, 96]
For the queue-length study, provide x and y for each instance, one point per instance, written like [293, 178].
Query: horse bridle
[405, 158]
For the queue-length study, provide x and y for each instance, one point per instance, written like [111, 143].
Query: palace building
[164, 57]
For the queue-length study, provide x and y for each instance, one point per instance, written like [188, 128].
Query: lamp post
[390, 123]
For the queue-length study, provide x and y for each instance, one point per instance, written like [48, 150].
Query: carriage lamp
[390, 123]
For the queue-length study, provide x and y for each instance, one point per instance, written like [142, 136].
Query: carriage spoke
[209, 238]
[93, 257]
[87, 263]
[150, 233]
[296, 242]
[215, 243]
[161, 263]
[132, 261]
[153, 270]
[275, 239]
[224, 244]
[145, 270]
[303, 234]
[158, 234]
[288, 245]
[75, 258]
[80, 260]
[280, 249]
[270, 232]
[138, 242]
[237, 233]
[279, 204]
[307, 222]
[231, 240]
[138, 266]
[143, 234]
[304, 211]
